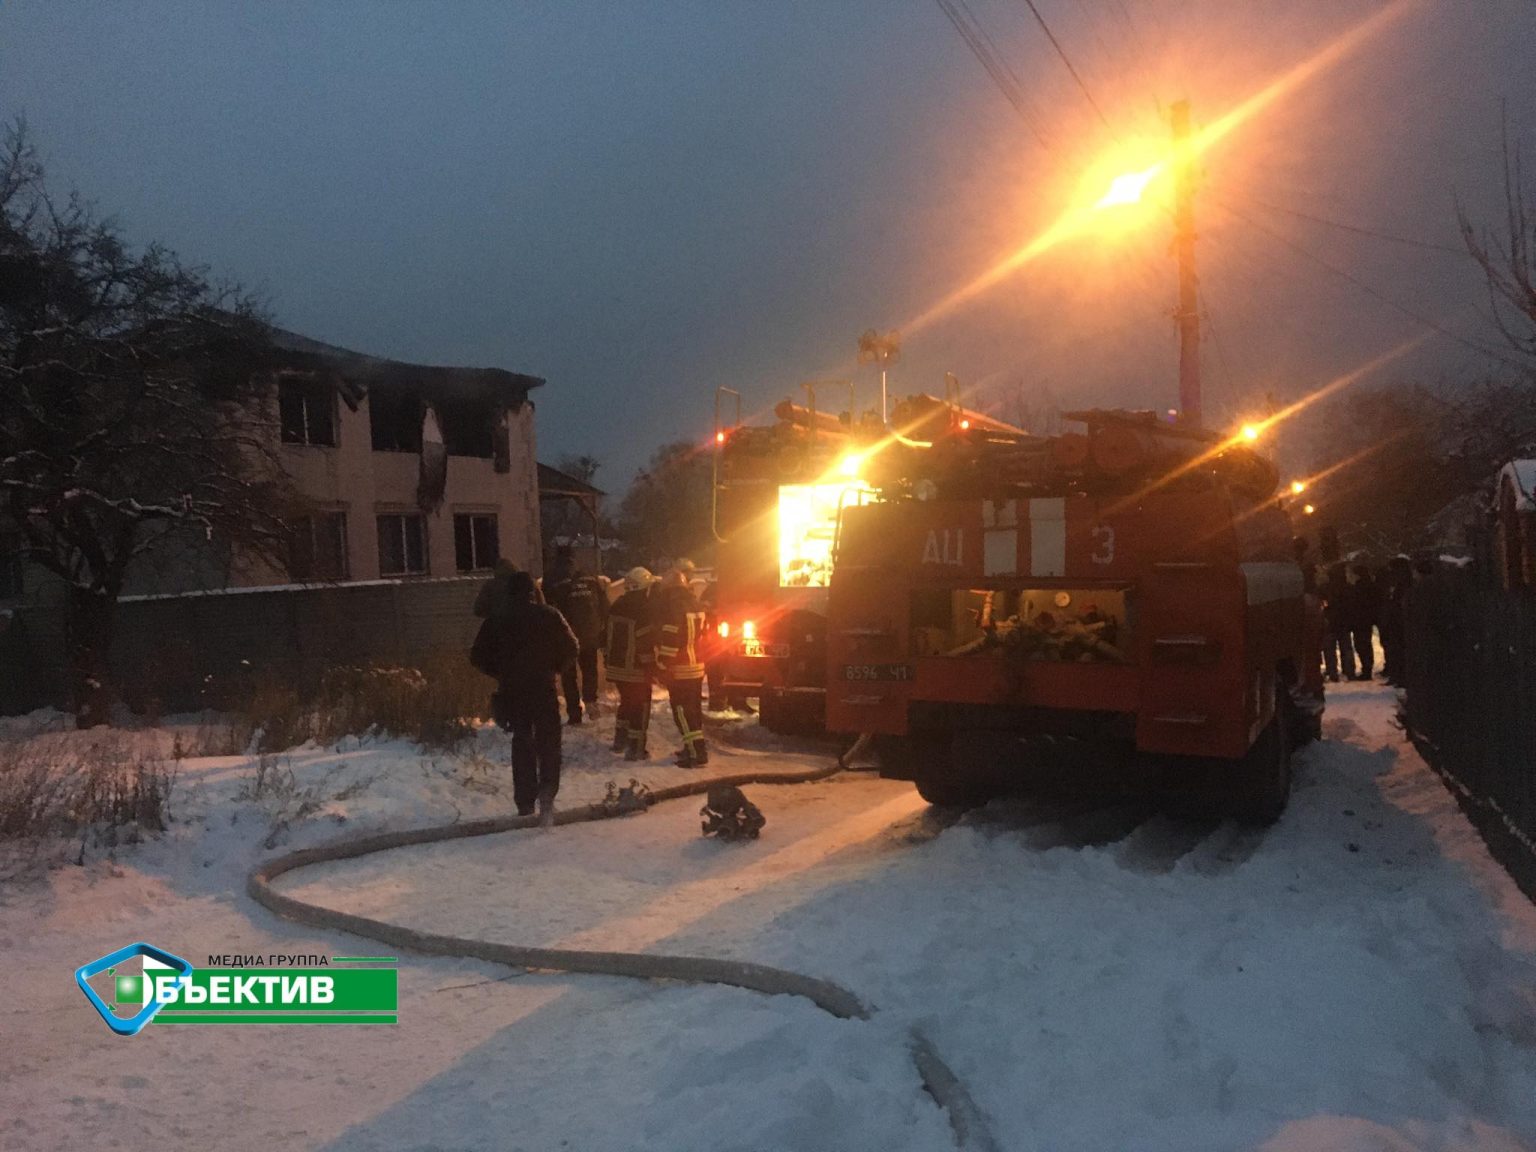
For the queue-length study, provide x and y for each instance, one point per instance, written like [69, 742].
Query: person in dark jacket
[1338, 648]
[534, 645]
[679, 628]
[630, 658]
[583, 601]
[1364, 608]
[491, 599]
[1398, 581]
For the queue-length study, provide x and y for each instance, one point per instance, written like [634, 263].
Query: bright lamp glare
[1250, 432]
[1309, 509]
[725, 629]
[1129, 188]
[850, 466]
[1298, 487]
[749, 631]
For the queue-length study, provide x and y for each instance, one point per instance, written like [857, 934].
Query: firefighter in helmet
[630, 657]
[679, 627]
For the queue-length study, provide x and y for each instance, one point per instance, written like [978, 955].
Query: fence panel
[1470, 673]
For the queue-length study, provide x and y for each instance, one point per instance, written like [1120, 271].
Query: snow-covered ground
[1359, 977]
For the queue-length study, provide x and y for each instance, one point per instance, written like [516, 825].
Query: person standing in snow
[680, 625]
[1392, 624]
[583, 601]
[533, 646]
[630, 658]
[491, 599]
[1364, 606]
[1338, 649]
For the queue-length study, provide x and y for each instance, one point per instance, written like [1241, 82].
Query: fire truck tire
[951, 791]
[1261, 780]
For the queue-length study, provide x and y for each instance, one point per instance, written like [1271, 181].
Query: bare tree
[1506, 259]
[133, 406]
[666, 510]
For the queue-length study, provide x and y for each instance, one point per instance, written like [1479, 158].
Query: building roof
[362, 372]
[553, 482]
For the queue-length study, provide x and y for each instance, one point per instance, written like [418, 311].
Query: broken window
[317, 547]
[306, 411]
[468, 425]
[475, 545]
[394, 418]
[402, 545]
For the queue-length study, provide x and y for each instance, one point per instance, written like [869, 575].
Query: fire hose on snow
[941, 1083]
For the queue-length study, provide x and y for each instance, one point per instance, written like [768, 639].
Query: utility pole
[1188, 314]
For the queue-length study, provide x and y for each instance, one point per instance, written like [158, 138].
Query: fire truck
[1119, 602]
[778, 489]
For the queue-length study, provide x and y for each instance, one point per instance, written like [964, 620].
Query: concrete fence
[184, 652]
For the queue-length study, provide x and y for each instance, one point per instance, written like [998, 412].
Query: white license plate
[760, 648]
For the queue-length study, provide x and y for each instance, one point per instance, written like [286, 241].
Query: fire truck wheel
[1261, 780]
[951, 791]
[929, 762]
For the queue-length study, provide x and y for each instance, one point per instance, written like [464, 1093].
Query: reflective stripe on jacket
[629, 652]
[677, 638]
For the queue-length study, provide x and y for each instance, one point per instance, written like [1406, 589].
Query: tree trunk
[91, 615]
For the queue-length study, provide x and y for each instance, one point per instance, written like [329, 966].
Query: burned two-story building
[412, 482]
[409, 470]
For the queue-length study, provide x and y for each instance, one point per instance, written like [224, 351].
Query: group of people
[539, 641]
[655, 630]
[1357, 602]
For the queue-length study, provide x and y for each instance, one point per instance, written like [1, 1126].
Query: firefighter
[680, 624]
[532, 646]
[583, 601]
[630, 657]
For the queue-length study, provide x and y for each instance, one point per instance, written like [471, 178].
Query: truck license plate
[762, 648]
[877, 672]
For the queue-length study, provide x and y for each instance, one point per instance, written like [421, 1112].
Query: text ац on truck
[1121, 604]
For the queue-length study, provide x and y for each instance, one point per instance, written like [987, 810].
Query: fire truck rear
[777, 492]
[1032, 614]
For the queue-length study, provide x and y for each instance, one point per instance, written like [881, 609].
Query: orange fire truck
[1011, 612]
[778, 489]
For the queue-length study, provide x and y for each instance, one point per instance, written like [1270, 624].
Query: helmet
[637, 578]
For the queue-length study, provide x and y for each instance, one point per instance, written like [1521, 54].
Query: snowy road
[1359, 977]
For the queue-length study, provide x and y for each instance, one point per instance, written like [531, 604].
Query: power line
[986, 53]
[1426, 245]
[1419, 317]
[1065, 59]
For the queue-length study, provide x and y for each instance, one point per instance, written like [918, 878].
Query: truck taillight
[724, 629]
[749, 631]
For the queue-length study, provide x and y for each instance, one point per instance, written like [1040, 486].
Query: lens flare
[1128, 189]
[1131, 186]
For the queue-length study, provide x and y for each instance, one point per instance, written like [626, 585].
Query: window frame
[470, 515]
[401, 515]
[308, 524]
[312, 395]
